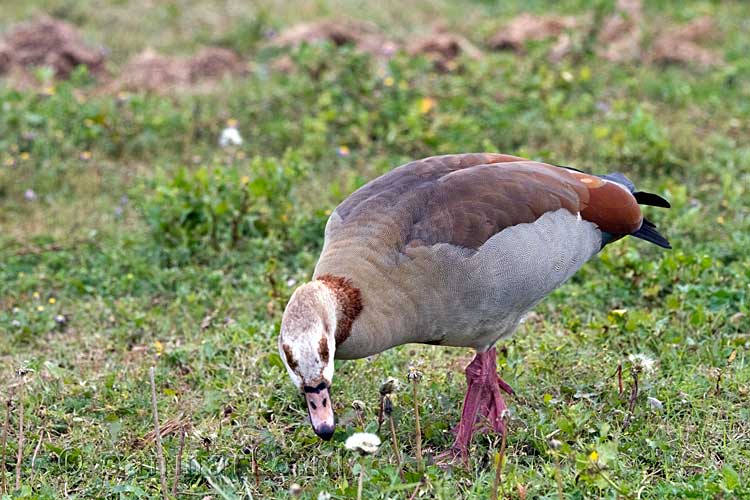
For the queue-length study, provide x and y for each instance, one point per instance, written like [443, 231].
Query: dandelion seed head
[643, 363]
[363, 442]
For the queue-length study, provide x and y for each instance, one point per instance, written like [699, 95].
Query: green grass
[135, 248]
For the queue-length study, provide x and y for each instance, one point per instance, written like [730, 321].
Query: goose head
[307, 345]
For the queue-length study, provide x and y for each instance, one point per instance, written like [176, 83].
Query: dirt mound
[49, 42]
[365, 36]
[680, 45]
[621, 34]
[443, 48]
[214, 63]
[527, 27]
[159, 73]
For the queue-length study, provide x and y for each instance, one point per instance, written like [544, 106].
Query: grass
[145, 255]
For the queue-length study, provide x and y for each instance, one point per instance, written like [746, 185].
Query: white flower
[363, 442]
[30, 195]
[291, 282]
[15, 323]
[324, 495]
[230, 136]
[655, 404]
[643, 363]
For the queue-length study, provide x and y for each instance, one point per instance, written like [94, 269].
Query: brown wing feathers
[466, 199]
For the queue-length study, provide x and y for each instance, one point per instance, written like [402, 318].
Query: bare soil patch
[155, 72]
[443, 48]
[529, 27]
[49, 42]
[681, 45]
[622, 32]
[363, 35]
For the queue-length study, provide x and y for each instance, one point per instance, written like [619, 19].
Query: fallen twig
[172, 426]
[157, 434]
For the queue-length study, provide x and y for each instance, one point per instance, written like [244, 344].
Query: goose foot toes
[484, 406]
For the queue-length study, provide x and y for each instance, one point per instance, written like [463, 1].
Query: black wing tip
[651, 199]
[649, 233]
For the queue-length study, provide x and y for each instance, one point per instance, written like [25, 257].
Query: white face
[306, 340]
[310, 366]
[307, 356]
[306, 345]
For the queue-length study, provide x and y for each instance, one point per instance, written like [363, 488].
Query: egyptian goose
[451, 250]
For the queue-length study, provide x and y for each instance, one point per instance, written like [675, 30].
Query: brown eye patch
[323, 349]
[288, 355]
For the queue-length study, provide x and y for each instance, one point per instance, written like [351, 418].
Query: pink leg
[483, 399]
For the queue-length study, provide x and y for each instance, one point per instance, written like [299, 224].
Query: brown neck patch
[323, 349]
[349, 301]
[289, 357]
